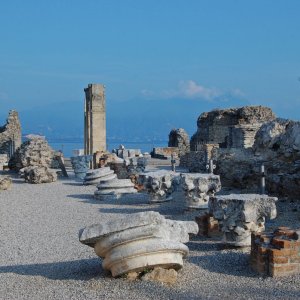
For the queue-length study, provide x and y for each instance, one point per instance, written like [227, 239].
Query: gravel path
[41, 258]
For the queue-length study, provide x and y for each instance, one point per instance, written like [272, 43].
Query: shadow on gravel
[199, 244]
[84, 269]
[88, 197]
[73, 183]
[231, 263]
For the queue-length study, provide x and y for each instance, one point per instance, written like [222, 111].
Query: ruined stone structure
[5, 183]
[198, 188]
[239, 215]
[137, 241]
[80, 165]
[94, 119]
[159, 184]
[39, 174]
[93, 177]
[180, 139]
[10, 134]
[276, 253]
[231, 128]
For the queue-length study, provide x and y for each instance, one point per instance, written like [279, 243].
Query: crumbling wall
[234, 127]
[179, 138]
[10, 134]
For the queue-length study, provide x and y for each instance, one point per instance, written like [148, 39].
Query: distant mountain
[135, 120]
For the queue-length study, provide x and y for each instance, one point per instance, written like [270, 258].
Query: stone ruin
[10, 134]
[198, 188]
[81, 165]
[240, 141]
[93, 177]
[5, 183]
[139, 241]
[231, 128]
[239, 215]
[180, 139]
[33, 159]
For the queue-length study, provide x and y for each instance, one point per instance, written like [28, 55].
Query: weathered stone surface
[159, 184]
[161, 275]
[134, 242]
[241, 214]
[180, 139]
[93, 177]
[33, 152]
[80, 165]
[198, 188]
[3, 160]
[235, 127]
[5, 183]
[39, 174]
[10, 134]
[114, 189]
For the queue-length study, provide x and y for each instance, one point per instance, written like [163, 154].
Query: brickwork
[276, 254]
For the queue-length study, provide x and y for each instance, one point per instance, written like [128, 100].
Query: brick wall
[208, 226]
[276, 254]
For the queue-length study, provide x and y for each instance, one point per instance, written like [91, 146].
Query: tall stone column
[94, 119]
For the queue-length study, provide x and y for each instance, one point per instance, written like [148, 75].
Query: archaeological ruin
[94, 119]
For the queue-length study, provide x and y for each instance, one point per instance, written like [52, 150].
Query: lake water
[68, 146]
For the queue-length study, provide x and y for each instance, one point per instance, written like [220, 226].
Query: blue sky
[155, 50]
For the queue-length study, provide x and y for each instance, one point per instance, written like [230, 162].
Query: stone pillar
[94, 119]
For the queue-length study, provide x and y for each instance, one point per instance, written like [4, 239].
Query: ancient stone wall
[179, 138]
[235, 127]
[10, 134]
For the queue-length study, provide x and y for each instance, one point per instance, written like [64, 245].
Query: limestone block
[159, 184]
[5, 183]
[80, 165]
[198, 188]
[114, 189]
[39, 174]
[239, 215]
[93, 177]
[134, 242]
[161, 275]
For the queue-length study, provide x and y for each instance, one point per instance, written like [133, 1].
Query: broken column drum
[241, 214]
[115, 189]
[93, 177]
[198, 188]
[80, 165]
[133, 243]
[159, 184]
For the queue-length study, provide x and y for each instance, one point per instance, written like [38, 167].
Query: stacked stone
[208, 226]
[93, 177]
[115, 189]
[180, 139]
[198, 188]
[134, 242]
[239, 215]
[33, 160]
[276, 254]
[159, 184]
[80, 165]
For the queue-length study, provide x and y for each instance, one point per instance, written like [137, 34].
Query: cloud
[190, 89]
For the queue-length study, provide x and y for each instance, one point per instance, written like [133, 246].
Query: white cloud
[190, 89]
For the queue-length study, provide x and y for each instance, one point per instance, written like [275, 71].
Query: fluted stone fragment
[241, 214]
[93, 177]
[159, 184]
[138, 241]
[198, 188]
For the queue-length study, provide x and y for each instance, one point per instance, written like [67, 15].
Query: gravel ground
[41, 257]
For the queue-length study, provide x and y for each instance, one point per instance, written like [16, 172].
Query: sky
[150, 50]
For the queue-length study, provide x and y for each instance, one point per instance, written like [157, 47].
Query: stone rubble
[139, 241]
[81, 165]
[159, 184]
[5, 183]
[239, 215]
[180, 139]
[93, 177]
[39, 174]
[198, 188]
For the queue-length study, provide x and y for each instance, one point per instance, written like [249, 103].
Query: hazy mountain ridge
[134, 120]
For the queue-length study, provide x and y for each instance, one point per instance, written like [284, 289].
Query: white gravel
[41, 257]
